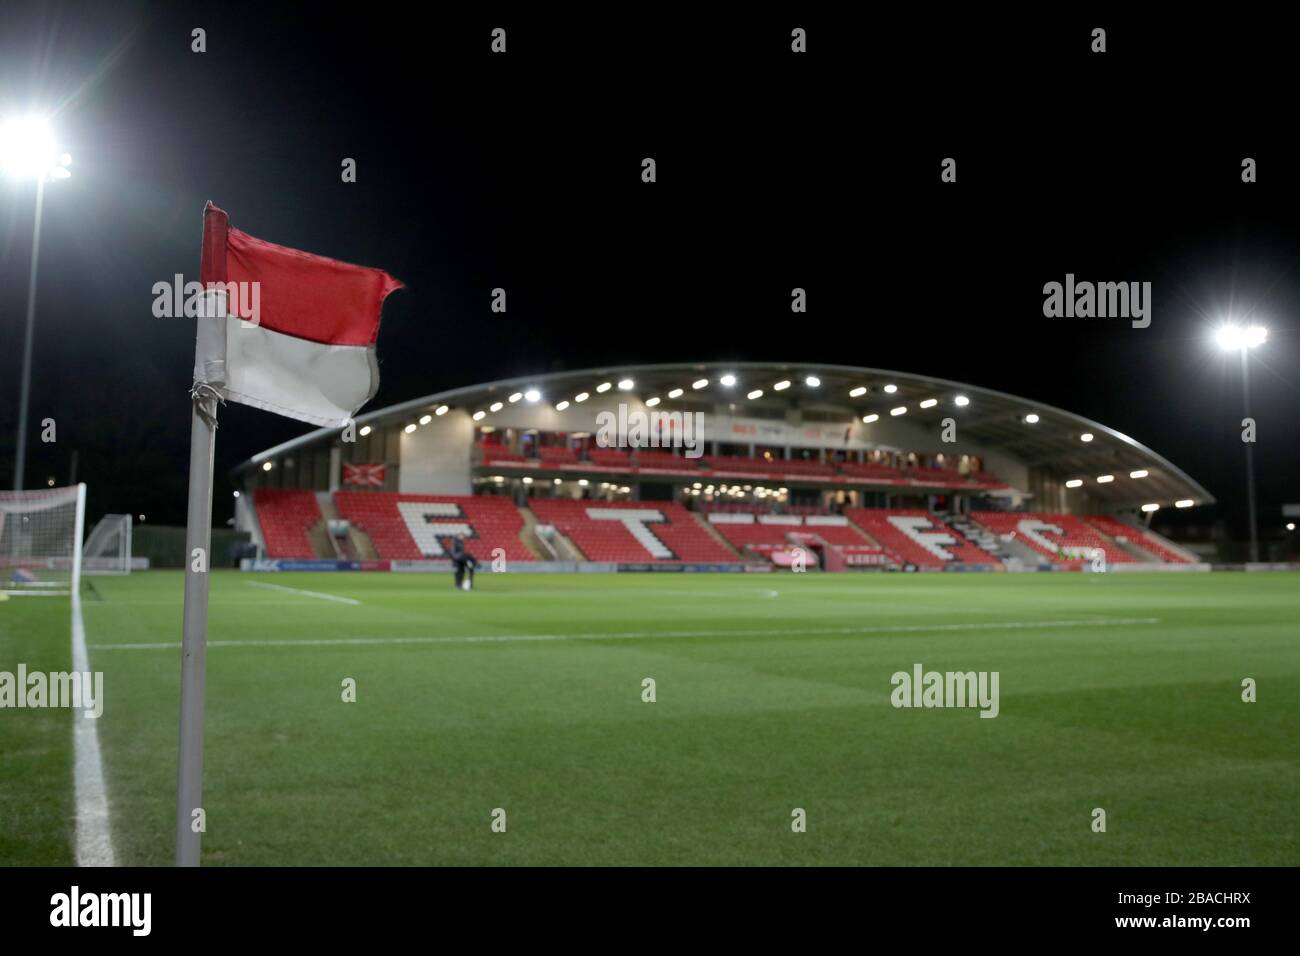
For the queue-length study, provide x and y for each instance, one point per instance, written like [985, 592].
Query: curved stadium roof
[992, 419]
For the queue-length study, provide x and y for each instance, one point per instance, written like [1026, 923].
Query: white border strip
[316, 594]
[94, 839]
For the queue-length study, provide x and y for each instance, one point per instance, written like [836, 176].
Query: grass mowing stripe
[638, 635]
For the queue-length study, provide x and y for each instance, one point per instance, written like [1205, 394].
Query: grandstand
[850, 464]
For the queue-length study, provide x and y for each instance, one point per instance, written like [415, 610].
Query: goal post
[108, 546]
[40, 540]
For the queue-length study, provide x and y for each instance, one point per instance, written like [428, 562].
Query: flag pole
[194, 644]
[209, 377]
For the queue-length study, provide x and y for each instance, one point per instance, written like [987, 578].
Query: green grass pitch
[772, 693]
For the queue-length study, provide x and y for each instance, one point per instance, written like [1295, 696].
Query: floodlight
[27, 150]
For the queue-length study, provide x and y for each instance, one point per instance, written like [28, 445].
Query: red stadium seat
[1064, 539]
[651, 531]
[412, 527]
[286, 516]
[1117, 529]
[857, 470]
[918, 537]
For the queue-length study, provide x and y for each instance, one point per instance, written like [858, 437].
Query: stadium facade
[742, 463]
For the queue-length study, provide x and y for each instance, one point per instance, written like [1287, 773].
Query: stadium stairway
[1065, 540]
[651, 531]
[703, 521]
[1142, 543]
[919, 537]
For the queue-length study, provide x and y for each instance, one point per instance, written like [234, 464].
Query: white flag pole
[194, 644]
[209, 378]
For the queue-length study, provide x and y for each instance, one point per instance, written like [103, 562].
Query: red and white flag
[363, 475]
[309, 351]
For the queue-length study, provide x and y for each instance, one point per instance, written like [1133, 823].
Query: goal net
[40, 540]
[108, 547]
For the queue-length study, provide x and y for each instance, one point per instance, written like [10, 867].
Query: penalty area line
[644, 635]
[316, 594]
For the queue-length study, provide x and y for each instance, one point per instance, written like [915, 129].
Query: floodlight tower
[1234, 338]
[28, 152]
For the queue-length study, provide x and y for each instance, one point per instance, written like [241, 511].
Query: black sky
[774, 171]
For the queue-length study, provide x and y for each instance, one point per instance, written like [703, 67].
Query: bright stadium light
[756, 393]
[603, 387]
[527, 480]
[676, 393]
[425, 419]
[532, 395]
[652, 402]
[1074, 483]
[28, 150]
[858, 392]
[515, 397]
[1151, 507]
[868, 419]
[890, 389]
[480, 415]
[900, 410]
[1031, 419]
[1105, 479]
[625, 385]
[441, 410]
[1232, 338]
[961, 401]
[561, 406]
[267, 466]
[583, 482]
[700, 383]
[812, 381]
[930, 403]
[365, 430]
[409, 428]
[728, 380]
[1184, 503]
[495, 407]
[1086, 437]
[781, 386]
[581, 397]
[1140, 473]
[1290, 525]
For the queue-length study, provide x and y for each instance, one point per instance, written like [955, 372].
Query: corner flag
[300, 342]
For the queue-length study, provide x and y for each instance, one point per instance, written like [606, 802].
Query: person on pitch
[463, 564]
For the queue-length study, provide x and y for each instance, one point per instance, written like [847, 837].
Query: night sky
[774, 171]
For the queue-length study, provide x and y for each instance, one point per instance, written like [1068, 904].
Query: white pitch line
[634, 635]
[316, 594]
[94, 836]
